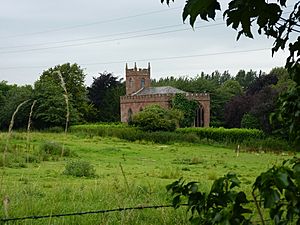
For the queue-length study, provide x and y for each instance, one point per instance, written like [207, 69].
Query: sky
[103, 36]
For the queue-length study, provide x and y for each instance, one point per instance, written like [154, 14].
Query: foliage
[188, 107]
[259, 100]
[10, 97]
[249, 139]
[74, 79]
[222, 205]
[235, 110]
[288, 113]
[271, 21]
[218, 85]
[245, 78]
[223, 135]
[155, 118]
[51, 148]
[260, 83]
[104, 94]
[277, 189]
[249, 121]
[51, 106]
[80, 169]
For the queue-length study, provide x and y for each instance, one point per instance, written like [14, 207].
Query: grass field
[128, 174]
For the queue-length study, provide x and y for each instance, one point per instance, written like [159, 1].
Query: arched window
[129, 115]
[142, 82]
[199, 117]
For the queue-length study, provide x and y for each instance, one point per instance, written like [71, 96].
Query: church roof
[158, 90]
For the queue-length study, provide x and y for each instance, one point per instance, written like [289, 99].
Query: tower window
[130, 82]
[142, 83]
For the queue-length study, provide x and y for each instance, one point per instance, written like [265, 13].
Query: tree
[104, 94]
[51, 107]
[74, 79]
[10, 97]
[49, 93]
[245, 78]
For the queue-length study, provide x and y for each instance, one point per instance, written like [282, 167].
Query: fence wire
[101, 211]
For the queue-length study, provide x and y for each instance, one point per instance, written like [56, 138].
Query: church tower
[136, 79]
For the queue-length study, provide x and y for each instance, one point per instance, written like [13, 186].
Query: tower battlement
[137, 78]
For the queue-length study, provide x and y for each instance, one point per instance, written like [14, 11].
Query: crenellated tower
[136, 79]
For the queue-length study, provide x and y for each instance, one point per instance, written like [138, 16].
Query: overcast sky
[103, 35]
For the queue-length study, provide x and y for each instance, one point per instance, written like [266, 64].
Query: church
[140, 94]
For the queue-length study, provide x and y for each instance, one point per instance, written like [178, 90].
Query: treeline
[247, 99]
[99, 102]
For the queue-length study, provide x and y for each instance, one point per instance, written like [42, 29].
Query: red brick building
[139, 94]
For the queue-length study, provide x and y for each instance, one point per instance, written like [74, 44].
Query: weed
[80, 169]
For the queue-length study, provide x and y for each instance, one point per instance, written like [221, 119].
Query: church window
[142, 83]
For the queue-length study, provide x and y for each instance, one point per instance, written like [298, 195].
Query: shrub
[249, 121]
[79, 169]
[51, 148]
[155, 118]
[222, 135]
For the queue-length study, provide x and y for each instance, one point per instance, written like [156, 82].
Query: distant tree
[74, 78]
[260, 83]
[10, 97]
[51, 107]
[104, 94]
[235, 109]
[232, 88]
[245, 78]
[259, 101]
[263, 105]
[225, 77]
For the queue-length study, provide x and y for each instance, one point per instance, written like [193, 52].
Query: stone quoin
[140, 94]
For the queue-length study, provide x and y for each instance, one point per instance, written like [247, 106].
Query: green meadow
[127, 174]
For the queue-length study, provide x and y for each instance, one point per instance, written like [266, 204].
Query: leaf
[281, 179]
[176, 201]
[271, 197]
[203, 8]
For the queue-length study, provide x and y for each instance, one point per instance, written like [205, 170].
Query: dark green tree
[104, 94]
[10, 97]
[245, 78]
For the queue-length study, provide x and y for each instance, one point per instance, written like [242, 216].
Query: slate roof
[158, 90]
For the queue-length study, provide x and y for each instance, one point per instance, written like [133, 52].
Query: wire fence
[101, 211]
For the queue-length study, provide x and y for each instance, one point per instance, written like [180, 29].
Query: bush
[51, 148]
[155, 118]
[79, 169]
[222, 135]
[249, 121]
